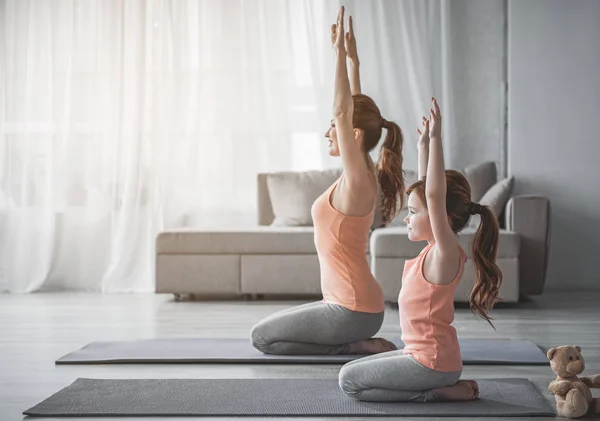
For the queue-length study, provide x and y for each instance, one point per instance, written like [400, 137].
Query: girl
[352, 308]
[429, 367]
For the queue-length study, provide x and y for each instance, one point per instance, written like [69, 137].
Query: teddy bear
[572, 393]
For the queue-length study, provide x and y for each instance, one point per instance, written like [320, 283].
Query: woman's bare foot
[463, 390]
[475, 387]
[372, 346]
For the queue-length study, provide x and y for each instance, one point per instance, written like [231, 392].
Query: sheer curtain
[400, 49]
[120, 119]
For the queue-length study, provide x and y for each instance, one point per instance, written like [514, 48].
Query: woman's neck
[370, 163]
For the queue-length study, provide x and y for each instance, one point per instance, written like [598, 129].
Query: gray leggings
[392, 377]
[314, 328]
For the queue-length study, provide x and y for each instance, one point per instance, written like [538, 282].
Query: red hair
[485, 246]
[390, 175]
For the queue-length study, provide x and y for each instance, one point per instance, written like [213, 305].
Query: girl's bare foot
[372, 346]
[463, 390]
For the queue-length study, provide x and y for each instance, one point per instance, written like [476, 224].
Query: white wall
[554, 127]
[470, 81]
[478, 82]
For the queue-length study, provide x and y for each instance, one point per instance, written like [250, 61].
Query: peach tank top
[426, 316]
[341, 243]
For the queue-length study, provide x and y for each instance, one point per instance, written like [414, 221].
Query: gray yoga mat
[272, 397]
[162, 351]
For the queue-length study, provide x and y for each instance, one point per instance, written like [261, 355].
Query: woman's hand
[337, 32]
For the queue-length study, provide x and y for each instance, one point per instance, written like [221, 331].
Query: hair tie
[384, 123]
[475, 208]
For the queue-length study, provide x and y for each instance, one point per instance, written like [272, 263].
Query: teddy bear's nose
[575, 367]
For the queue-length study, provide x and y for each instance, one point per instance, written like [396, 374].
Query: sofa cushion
[496, 198]
[481, 178]
[293, 193]
[254, 240]
[394, 242]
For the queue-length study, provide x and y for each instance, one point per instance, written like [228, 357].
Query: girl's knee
[347, 381]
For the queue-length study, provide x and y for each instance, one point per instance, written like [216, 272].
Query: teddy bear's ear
[550, 353]
[578, 348]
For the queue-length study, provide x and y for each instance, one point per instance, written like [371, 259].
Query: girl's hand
[424, 134]
[337, 32]
[435, 117]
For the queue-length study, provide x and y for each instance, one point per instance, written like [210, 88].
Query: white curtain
[120, 119]
[454, 50]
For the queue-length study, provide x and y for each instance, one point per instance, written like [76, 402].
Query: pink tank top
[341, 243]
[426, 316]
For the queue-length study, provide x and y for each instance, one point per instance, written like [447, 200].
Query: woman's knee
[370, 324]
[377, 323]
[348, 381]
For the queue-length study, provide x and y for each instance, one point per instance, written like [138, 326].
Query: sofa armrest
[529, 216]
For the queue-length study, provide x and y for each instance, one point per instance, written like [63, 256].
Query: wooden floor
[36, 329]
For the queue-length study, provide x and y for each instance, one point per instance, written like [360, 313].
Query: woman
[352, 308]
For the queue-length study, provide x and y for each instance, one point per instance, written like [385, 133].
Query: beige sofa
[282, 260]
